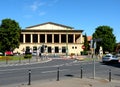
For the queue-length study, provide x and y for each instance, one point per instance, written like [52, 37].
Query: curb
[23, 63]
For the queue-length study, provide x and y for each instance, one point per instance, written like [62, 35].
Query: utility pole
[94, 61]
[95, 42]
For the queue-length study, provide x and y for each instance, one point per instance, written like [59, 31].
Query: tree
[108, 39]
[9, 34]
[86, 44]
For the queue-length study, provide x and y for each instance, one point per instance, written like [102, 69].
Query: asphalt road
[48, 71]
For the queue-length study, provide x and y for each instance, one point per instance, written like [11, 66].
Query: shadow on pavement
[112, 64]
[69, 75]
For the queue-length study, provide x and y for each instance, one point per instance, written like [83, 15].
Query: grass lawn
[13, 58]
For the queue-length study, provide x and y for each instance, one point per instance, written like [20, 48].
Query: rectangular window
[56, 50]
[72, 47]
[63, 49]
[49, 49]
[27, 49]
[75, 47]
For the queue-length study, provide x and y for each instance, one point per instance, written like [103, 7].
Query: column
[38, 38]
[52, 38]
[59, 38]
[66, 38]
[73, 38]
[45, 38]
[31, 38]
[23, 38]
[67, 44]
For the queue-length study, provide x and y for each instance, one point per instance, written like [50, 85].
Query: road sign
[83, 47]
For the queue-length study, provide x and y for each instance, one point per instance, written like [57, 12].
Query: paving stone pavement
[72, 82]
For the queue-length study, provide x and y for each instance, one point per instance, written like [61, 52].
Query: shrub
[84, 53]
[28, 56]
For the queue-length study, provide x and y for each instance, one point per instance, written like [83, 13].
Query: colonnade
[51, 38]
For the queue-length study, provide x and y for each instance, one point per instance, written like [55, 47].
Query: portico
[59, 39]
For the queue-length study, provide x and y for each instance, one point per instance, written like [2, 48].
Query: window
[72, 47]
[75, 47]
[27, 49]
[49, 49]
[63, 49]
[56, 50]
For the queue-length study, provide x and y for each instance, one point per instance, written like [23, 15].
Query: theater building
[51, 38]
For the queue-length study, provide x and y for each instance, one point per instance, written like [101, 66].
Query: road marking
[66, 64]
[52, 71]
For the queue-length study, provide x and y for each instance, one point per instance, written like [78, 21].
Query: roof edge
[51, 23]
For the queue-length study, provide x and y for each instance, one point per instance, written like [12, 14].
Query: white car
[110, 58]
[34, 53]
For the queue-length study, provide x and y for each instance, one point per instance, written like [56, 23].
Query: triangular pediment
[49, 26]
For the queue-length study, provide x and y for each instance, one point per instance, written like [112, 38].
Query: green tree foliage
[9, 35]
[108, 39]
[86, 44]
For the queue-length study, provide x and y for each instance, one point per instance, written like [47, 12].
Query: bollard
[29, 75]
[109, 75]
[58, 74]
[81, 72]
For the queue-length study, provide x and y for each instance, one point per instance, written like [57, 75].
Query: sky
[84, 15]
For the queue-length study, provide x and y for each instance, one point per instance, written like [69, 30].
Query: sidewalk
[74, 82]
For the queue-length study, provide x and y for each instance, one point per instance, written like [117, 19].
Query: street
[48, 71]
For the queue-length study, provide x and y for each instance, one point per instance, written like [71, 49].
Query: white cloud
[35, 5]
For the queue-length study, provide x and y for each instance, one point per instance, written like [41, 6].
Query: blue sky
[81, 14]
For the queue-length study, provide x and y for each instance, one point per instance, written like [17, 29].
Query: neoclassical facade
[51, 38]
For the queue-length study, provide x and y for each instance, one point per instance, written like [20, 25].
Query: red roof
[89, 38]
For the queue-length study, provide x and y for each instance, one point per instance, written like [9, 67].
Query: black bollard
[29, 79]
[58, 74]
[81, 72]
[109, 75]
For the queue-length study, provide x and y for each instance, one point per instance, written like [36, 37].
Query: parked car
[110, 58]
[8, 53]
[1, 53]
[34, 53]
